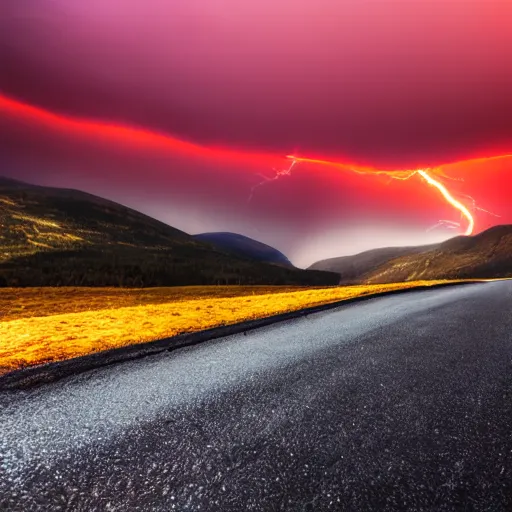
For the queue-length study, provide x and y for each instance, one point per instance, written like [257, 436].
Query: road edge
[33, 376]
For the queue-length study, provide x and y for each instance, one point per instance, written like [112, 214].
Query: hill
[51, 237]
[246, 247]
[352, 268]
[486, 255]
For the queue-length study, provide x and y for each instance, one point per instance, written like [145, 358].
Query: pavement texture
[397, 403]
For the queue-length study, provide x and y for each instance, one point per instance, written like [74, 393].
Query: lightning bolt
[476, 207]
[450, 199]
[278, 174]
[450, 224]
[403, 175]
[137, 136]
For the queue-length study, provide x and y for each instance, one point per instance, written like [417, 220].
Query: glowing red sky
[391, 85]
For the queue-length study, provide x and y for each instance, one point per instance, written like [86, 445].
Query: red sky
[393, 84]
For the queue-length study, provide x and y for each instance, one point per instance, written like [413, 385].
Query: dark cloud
[391, 83]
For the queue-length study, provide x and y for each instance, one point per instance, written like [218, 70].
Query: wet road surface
[397, 403]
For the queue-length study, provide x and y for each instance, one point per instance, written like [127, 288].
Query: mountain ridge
[242, 245]
[352, 267]
[52, 236]
[485, 255]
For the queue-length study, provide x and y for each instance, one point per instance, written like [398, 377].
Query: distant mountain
[486, 255]
[52, 236]
[352, 269]
[245, 247]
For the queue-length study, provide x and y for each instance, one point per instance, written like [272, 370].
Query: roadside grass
[17, 303]
[39, 325]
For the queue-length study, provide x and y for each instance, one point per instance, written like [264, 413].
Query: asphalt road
[399, 402]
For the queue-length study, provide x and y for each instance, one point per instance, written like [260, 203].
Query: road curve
[397, 403]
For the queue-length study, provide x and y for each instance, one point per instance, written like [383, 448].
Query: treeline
[132, 267]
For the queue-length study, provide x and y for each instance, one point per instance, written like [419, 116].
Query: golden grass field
[39, 325]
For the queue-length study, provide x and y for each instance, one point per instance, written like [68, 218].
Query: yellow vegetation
[38, 244]
[37, 220]
[48, 324]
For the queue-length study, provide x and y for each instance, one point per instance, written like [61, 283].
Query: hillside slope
[486, 255]
[51, 236]
[353, 268]
[246, 247]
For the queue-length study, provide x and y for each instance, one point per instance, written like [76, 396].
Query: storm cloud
[397, 84]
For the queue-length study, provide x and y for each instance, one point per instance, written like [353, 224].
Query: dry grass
[39, 325]
[16, 303]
